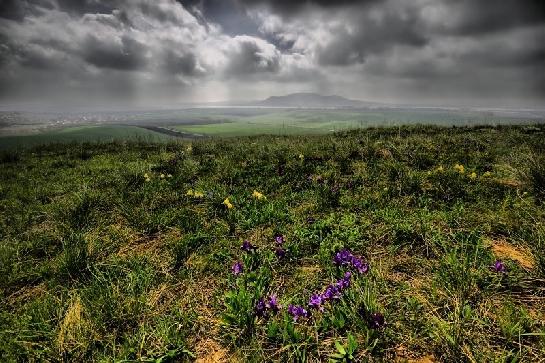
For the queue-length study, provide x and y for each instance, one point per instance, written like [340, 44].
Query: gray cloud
[451, 50]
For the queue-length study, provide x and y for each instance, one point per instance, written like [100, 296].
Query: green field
[79, 134]
[134, 251]
[304, 122]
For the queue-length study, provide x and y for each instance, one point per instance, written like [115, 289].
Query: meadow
[414, 243]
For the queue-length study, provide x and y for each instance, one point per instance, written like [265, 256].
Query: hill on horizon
[312, 100]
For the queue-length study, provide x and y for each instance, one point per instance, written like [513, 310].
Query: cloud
[211, 49]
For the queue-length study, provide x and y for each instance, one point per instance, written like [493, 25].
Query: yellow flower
[198, 195]
[473, 176]
[190, 193]
[146, 176]
[258, 195]
[162, 176]
[301, 156]
[440, 168]
[487, 174]
[227, 203]
[460, 168]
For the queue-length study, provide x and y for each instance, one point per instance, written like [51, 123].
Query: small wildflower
[343, 257]
[227, 203]
[169, 176]
[272, 303]
[459, 168]
[473, 176]
[162, 176]
[260, 308]
[190, 193]
[198, 195]
[247, 246]
[258, 195]
[487, 174]
[297, 312]
[146, 176]
[279, 239]
[498, 266]
[331, 293]
[316, 301]
[440, 169]
[376, 320]
[189, 149]
[237, 268]
[301, 156]
[280, 252]
[359, 265]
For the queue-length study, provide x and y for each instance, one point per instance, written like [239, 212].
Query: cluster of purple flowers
[331, 293]
[264, 306]
[345, 258]
[280, 251]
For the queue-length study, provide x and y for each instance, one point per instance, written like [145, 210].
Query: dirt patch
[26, 294]
[511, 183]
[210, 351]
[503, 249]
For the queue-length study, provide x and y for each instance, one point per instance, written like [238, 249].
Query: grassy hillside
[379, 244]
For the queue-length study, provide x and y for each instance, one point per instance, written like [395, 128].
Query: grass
[80, 134]
[124, 251]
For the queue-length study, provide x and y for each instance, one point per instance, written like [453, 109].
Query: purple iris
[280, 252]
[297, 312]
[237, 268]
[316, 301]
[331, 293]
[260, 308]
[376, 320]
[344, 282]
[359, 265]
[499, 267]
[272, 304]
[279, 239]
[343, 257]
[247, 246]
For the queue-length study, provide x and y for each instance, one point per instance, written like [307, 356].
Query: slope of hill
[382, 244]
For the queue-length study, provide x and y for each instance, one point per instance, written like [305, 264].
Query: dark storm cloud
[482, 16]
[291, 7]
[252, 57]
[123, 54]
[442, 48]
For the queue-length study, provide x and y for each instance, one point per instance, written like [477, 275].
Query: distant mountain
[312, 100]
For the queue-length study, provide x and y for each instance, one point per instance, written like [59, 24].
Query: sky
[148, 53]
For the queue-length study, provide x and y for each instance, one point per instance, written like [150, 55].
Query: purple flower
[247, 246]
[237, 268]
[297, 312]
[272, 304]
[331, 293]
[359, 265]
[316, 301]
[279, 239]
[280, 252]
[498, 266]
[343, 257]
[376, 320]
[344, 282]
[260, 308]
